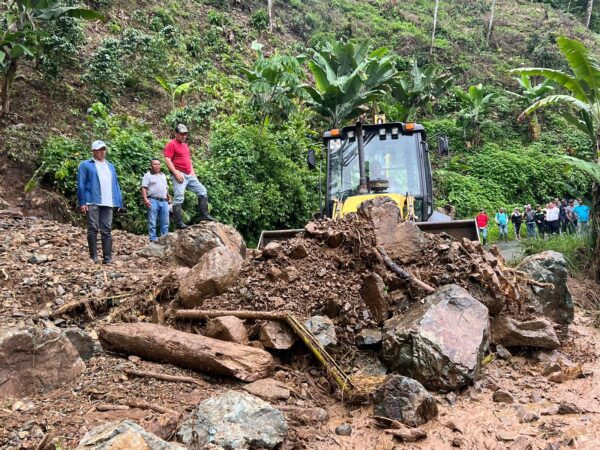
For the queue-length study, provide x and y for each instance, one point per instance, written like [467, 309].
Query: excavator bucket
[458, 229]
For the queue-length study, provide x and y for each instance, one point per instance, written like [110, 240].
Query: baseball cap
[181, 128]
[97, 145]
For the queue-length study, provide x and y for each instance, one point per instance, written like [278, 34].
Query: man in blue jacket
[98, 192]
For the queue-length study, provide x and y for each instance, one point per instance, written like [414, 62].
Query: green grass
[576, 249]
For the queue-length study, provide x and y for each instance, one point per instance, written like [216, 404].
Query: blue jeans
[503, 229]
[530, 229]
[189, 182]
[158, 210]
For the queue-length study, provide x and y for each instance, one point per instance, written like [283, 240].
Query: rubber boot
[106, 249]
[178, 216]
[203, 208]
[93, 246]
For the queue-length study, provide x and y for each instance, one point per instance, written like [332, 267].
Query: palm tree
[418, 90]
[531, 93]
[347, 76]
[581, 108]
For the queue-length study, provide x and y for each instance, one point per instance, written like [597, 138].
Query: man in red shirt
[482, 223]
[179, 161]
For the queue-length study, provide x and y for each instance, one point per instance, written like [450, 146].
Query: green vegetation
[255, 110]
[576, 249]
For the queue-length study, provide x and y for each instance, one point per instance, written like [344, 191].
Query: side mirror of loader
[311, 160]
[443, 146]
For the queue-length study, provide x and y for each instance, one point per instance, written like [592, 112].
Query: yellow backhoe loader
[384, 159]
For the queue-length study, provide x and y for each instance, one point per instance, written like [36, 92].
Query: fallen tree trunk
[211, 314]
[193, 351]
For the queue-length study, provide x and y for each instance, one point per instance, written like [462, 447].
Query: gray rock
[34, 360]
[554, 302]
[123, 435]
[343, 430]
[369, 338]
[323, 329]
[367, 363]
[152, 250]
[83, 342]
[503, 353]
[233, 420]
[536, 333]
[406, 400]
[440, 343]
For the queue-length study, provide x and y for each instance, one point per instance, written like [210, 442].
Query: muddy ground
[44, 266]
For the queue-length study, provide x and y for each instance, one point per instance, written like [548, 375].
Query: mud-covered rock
[186, 247]
[375, 297]
[554, 302]
[125, 435]
[440, 343]
[268, 389]
[277, 335]
[227, 328]
[233, 420]
[216, 272]
[82, 341]
[536, 333]
[406, 400]
[34, 360]
[323, 329]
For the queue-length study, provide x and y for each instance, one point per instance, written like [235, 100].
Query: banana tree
[476, 104]
[21, 36]
[347, 76]
[531, 93]
[174, 90]
[419, 89]
[580, 107]
[276, 84]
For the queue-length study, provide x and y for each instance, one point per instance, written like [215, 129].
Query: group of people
[558, 216]
[99, 192]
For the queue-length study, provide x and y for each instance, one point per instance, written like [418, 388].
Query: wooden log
[403, 274]
[193, 351]
[211, 314]
[161, 376]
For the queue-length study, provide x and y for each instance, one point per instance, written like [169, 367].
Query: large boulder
[442, 342]
[403, 241]
[537, 333]
[186, 247]
[125, 435]
[554, 301]
[34, 360]
[233, 420]
[216, 272]
[406, 400]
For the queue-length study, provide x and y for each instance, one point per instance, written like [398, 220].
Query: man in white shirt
[155, 194]
[98, 192]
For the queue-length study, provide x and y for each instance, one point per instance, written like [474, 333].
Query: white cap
[97, 145]
[181, 128]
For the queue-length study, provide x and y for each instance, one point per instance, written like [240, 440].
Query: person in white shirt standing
[98, 192]
[155, 194]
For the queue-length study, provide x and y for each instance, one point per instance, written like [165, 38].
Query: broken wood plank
[211, 314]
[193, 351]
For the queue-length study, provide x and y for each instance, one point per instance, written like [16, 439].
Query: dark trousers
[553, 227]
[100, 219]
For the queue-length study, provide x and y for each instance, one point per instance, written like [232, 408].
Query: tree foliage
[476, 104]
[347, 76]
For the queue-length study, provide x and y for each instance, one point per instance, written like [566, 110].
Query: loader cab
[396, 162]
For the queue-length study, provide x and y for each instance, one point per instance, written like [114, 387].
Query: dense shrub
[59, 44]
